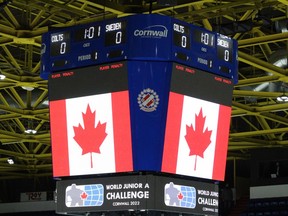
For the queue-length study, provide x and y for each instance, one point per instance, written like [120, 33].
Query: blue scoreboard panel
[139, 37]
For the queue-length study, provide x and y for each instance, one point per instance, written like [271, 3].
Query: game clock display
[139, 37]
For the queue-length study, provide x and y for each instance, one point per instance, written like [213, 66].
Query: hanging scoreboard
[139, 94]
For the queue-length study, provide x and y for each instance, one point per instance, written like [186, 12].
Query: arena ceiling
[260, 26]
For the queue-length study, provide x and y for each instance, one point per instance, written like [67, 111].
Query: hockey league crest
[148, 100]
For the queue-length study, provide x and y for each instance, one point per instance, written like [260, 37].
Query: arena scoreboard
[150, 37]
[139, 106]
[139, 93]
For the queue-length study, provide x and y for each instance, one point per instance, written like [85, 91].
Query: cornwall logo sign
[154, 31]
[148, 100]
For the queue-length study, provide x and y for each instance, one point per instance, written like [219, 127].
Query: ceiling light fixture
[28, 88]
[281, 25]
[2, 76]
[10, 161]
[282, 98]
[30, 131]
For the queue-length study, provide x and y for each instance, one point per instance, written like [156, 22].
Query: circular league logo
[148, 100]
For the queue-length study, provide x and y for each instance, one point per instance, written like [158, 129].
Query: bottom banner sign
[141, 192]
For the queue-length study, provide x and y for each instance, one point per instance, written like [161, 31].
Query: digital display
[87, 33]
[203, 37]
[197, 128]
[97, 122]
[90, 124]
[155, 193]
[147, 37]
[224, 48]
[181, 35]
[60, 43]
[115, 33]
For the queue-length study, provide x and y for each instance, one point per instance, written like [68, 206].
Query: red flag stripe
[60, 155]
[221, 143]
[122, 132]
[172, 134]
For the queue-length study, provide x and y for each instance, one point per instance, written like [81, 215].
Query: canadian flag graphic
[196, 137]
[91, 134]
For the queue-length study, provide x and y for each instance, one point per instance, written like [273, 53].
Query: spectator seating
[267, 207]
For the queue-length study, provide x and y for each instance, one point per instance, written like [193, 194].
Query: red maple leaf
[84, 195]
[180, 196]
[198, 139]
[90, 137]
